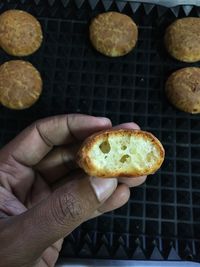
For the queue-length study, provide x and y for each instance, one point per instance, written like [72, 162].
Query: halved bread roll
[121, 153]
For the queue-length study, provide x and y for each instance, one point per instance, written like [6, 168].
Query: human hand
[43, 194]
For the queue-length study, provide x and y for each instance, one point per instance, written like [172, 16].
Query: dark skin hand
[44, 196]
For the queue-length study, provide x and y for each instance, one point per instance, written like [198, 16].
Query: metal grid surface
[162, 218]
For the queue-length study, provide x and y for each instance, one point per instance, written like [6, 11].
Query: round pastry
[182, 39]
[183, 89]
[121, 153]
[20, 84]
[113, 34]
[20, 33]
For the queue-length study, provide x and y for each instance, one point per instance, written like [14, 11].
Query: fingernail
[104, 119]
[103, 188]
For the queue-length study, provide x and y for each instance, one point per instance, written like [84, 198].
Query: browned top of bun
[20, 84]
[20, 33]
[183, 89]
[113, 34]
[182, 39]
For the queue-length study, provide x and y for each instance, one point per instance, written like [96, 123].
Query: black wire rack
[162, 218]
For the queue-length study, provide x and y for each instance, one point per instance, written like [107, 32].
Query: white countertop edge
[124, 263]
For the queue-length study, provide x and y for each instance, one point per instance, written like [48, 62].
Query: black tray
[162, 218]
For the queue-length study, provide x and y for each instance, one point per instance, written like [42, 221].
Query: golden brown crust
[182, 39]
[183, 89]
[20, 33]
[20, 84]
[113, 34]
[85, 162]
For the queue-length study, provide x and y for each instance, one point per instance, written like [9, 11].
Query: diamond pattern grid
[161, 220]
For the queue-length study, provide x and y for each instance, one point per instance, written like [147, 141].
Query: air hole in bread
[123, 147]
[124, 158]
[105, 147]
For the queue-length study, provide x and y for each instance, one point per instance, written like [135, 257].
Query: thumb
[57, 216]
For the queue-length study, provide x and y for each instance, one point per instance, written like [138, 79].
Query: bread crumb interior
[124, 153]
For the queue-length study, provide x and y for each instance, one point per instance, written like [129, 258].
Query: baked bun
[20, 84]
[20, 33]
[182, 39]
[121, 153]
[183, 89]
[113, 34]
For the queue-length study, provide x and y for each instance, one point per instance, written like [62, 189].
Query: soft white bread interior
[121, 153]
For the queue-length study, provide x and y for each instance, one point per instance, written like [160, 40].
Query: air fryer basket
[162, 218]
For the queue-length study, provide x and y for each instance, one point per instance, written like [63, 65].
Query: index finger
[31, 145]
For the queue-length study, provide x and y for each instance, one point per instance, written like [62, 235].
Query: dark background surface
[162, 218]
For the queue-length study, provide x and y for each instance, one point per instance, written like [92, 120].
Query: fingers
[117, 200]
[128, 125]
[121, 195]
[133, 182]
[57, 163]
[39, 191]
[9, 204]
[51, 254]
[36, 141]
[60, 161]
[55, 217]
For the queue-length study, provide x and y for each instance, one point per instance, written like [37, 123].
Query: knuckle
[69, 208]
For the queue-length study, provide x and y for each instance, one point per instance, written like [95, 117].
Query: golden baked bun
[113, 34]
[182, 39]
[183, 89]
[121, 153]
[20, 84]
[20, 33]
